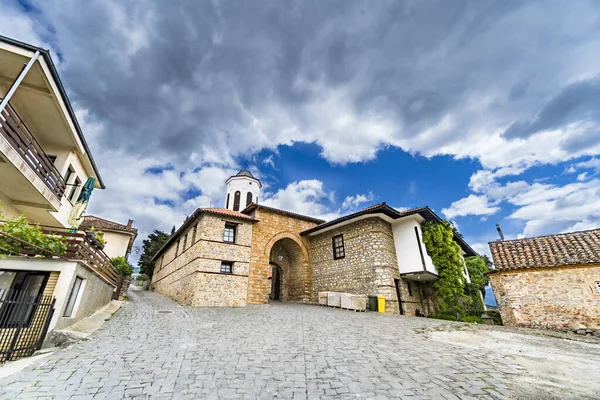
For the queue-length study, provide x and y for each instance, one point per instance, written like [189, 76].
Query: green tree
[446, 256]
[150, 247]
[477, 267]
[122, 265]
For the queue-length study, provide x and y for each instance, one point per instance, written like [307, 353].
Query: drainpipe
[18, 81]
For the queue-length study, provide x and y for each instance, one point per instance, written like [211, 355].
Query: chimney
[129, 223]
[500, 231]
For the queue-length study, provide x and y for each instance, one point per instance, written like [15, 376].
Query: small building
[549, 281]
[248, 253]
[118, 238]
[45, 165]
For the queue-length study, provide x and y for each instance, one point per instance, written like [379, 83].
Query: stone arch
[288, 252]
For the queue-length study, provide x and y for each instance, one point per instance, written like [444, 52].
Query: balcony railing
[14, 130]
[79, 248]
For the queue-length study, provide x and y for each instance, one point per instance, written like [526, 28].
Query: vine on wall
[446, 256]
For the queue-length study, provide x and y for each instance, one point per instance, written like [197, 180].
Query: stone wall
[418, 298]
[272, 227]
[194, 277]
[554, 298]
[369, 266]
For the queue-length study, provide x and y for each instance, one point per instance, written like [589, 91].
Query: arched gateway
[291, 278]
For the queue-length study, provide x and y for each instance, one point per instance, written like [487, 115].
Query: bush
[123, 267]
[475, 308]
[142, 277]
[472, 319]
[495, 314]
[32, 234]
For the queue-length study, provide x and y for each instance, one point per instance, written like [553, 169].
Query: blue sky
[488, 112]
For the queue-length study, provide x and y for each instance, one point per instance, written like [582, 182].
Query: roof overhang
[420, 276]
[41, 101]
[389, 214]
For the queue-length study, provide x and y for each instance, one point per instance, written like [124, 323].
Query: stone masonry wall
[369, 266]
[554, 298]
[271, 227]
[194, 277]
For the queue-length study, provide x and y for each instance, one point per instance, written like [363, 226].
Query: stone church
[247, 253]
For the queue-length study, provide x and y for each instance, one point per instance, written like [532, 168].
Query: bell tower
[242, 190]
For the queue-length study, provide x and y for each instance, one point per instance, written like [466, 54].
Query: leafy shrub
[495, 314]
[475, 307]
[142, 277]
[19, 228]
[472, 319]
[123, 267]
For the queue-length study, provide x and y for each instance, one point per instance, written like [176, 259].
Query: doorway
[275, 283]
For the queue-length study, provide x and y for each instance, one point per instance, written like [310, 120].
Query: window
[338, 247]
[409, 289]
[177, 247]
[597, 287]
[73, 297]
[236, 201]
[185, 243]
[226, 267]
[227, 202]
[248, 199]
[20, 285]
[74, 188]
[69, 174]
[194, 233]
[229, 233]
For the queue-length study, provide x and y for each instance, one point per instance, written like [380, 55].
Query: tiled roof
[291, 214]
[547, 251]
[90, 221]
[227, 212]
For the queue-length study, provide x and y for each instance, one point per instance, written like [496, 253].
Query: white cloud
[471, 205]
[352, 202]
[307, 197]
[582, 177]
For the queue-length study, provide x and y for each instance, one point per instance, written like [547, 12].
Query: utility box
[323, 298]
[372, 303]
[334, 299]
[381, 304]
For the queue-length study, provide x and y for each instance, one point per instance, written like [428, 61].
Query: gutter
[63, 93]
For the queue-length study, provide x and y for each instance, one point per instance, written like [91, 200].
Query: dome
[245, 172]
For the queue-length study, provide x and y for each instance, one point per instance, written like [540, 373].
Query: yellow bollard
[381, 304]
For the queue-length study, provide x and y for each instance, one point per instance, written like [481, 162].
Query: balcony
[79, 248]
[33, 163]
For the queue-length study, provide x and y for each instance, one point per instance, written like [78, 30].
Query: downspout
[18, 81]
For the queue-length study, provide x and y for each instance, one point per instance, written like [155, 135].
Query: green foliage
[446, 256]
[142, 277]
[477, 267]
[475, 307]
[99, 235]
[495, 314]
[150, 246]
[123, 267]
[19, 228]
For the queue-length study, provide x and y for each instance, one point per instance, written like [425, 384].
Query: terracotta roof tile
[90, 221]
[547, 251]
[225, 211]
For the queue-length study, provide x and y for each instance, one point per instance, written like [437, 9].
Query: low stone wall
[551, 298]
[220, 290]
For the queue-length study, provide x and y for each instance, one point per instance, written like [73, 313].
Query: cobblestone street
[155, 348]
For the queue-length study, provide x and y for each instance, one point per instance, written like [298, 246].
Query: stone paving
[154, 348]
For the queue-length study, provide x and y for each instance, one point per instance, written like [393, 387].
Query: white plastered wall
[116, 243]
[244, 185]
[407, 248]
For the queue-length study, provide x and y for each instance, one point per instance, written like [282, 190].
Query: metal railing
[14, 130]
[24, 322]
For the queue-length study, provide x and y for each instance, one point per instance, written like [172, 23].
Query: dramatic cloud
[197, 85]
[472, 205]
[352, 202]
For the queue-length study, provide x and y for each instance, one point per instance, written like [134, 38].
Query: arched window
[236, 201]
[248, 199]
[227, 203]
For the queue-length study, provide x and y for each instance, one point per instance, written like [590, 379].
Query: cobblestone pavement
[155, 348]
